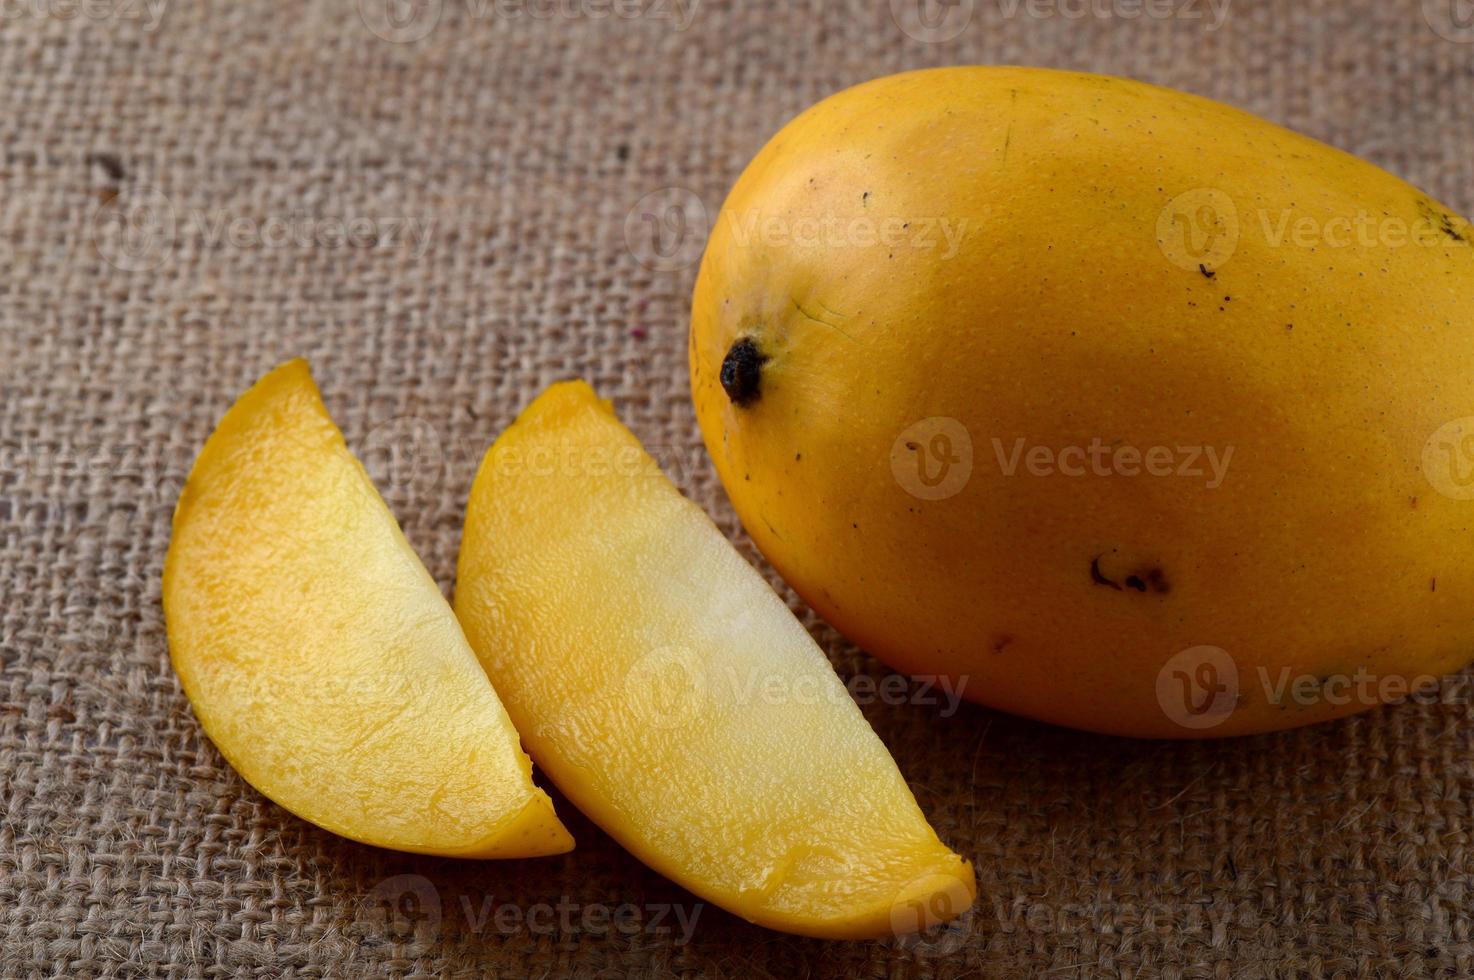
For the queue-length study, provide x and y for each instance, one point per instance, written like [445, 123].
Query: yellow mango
[674, 698]
[1123, 408]
[321, 657]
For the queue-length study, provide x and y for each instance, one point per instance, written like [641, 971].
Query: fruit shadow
[1078, 836]
[597, 908]
[1072, 835]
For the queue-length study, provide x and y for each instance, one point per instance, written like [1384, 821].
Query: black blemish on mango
[1442, 220]
[1098, 578]
[742, 372]
[1149, 579]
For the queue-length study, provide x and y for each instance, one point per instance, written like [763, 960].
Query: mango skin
[1141, 267]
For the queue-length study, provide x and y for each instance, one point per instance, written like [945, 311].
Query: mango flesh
[674, 698]
[962, 311]
[321, 657]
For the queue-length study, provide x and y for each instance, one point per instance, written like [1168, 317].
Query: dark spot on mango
[1098, 578]
[1150, 579]
[742, 372]
[1443, 221]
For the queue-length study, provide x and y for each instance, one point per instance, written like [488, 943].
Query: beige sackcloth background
[176, 184]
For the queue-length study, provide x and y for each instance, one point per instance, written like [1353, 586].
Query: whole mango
[1117, 407]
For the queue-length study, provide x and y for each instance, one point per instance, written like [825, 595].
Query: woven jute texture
[443, 205]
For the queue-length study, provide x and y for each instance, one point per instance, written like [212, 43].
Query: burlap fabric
[446, 209]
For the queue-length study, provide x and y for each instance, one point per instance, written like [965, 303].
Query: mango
[319, 654]
[674, 698]
[1120, 408]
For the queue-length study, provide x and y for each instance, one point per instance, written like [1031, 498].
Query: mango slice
[675, 699]
[319, 654]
